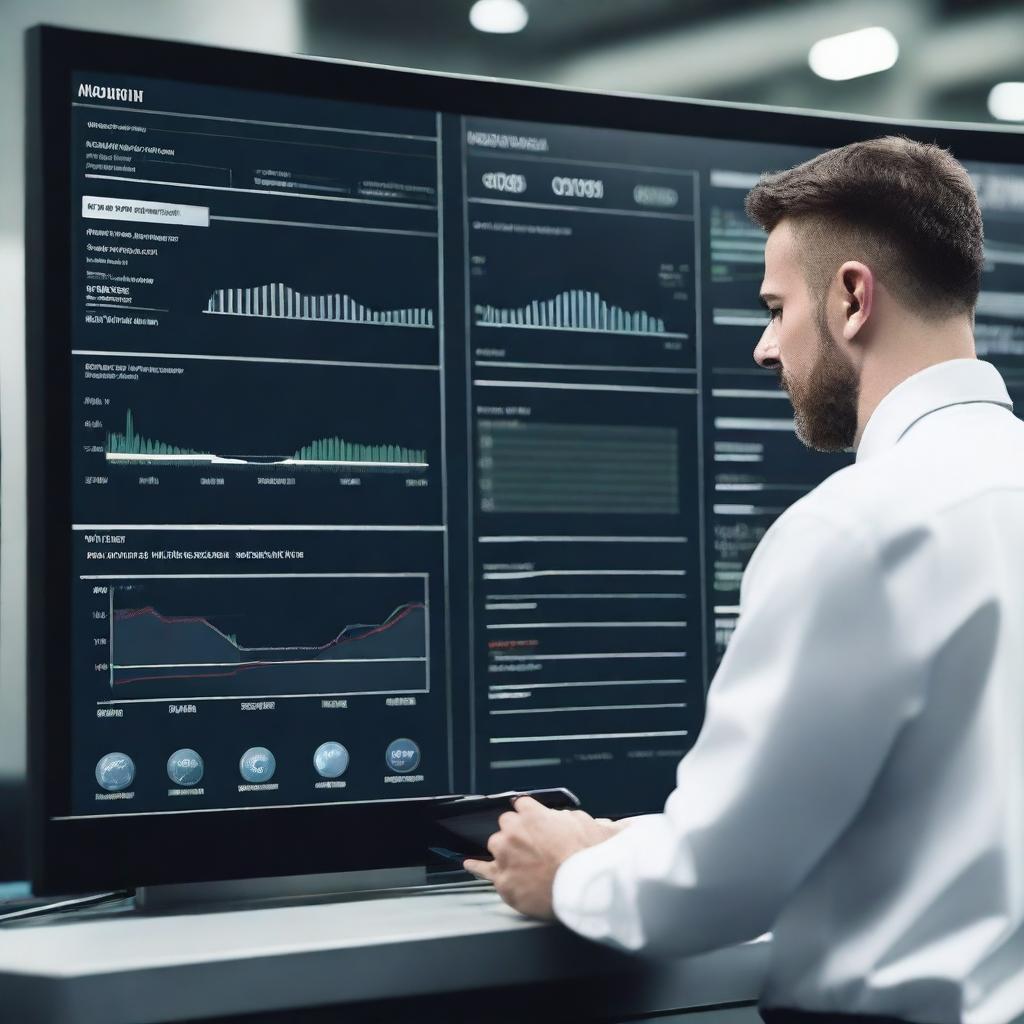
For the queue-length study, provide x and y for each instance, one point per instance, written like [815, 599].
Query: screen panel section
[581, 259]
[757, 466]
[257, 451]
[999, 320]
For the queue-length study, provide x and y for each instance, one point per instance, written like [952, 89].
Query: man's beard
[825, 405]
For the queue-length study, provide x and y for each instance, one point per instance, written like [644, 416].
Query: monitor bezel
[70, 855]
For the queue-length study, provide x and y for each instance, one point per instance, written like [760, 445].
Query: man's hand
[529, 847]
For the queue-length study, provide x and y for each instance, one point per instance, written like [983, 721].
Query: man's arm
[816, 684]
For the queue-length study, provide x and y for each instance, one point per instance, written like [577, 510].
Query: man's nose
[766, 352]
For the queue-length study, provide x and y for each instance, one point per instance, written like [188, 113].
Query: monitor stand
[336, 886]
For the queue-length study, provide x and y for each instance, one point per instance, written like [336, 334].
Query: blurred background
[924, 59]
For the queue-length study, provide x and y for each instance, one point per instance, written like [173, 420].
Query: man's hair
[907, 209]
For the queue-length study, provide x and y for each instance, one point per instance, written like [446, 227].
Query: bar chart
[281, 301]
[220, 440]
[130, 446]
[573, 310]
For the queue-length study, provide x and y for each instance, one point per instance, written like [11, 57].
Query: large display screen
[413, 451]
[266, 324]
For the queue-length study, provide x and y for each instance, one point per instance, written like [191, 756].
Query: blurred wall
[270, 25]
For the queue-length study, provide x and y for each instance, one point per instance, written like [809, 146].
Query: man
[858, 785]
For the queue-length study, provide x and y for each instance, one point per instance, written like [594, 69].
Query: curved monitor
[392, 435]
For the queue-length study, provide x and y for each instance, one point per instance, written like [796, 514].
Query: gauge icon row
[185, 767]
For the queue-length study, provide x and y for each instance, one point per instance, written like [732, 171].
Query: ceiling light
[498, 16]
[853, 54]
[1006, 101]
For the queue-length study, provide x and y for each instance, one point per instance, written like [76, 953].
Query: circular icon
[257, 765]
[115, 772]
[403, 756]
[330, 759]
[185, 767]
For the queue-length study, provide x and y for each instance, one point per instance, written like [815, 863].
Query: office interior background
[950, 60]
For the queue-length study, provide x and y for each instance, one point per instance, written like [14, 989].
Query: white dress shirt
[858, 785]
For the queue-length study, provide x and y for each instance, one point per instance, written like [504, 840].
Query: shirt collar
[953, 382]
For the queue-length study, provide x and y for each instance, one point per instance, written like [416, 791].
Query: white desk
[127, 967]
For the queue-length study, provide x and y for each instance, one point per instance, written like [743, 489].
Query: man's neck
[910, 347]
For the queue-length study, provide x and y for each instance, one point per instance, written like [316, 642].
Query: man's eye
[774, 313]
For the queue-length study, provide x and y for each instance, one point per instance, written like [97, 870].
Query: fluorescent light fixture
[853, 54]
[1006, 101]
[502, 16]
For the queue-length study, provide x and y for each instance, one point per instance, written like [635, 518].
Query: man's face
[799, 345]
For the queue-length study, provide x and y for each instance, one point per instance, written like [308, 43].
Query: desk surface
[129, 967]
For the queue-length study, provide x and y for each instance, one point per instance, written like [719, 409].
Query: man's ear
[857, 286]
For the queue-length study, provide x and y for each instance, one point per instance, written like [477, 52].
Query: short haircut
[907, 209]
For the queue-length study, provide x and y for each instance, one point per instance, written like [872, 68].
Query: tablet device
[465, 823]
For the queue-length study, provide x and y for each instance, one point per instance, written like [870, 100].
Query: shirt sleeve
[816, 683]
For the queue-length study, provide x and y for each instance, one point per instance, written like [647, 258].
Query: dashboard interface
[415, 453]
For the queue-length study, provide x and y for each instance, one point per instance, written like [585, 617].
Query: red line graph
[127, 614]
